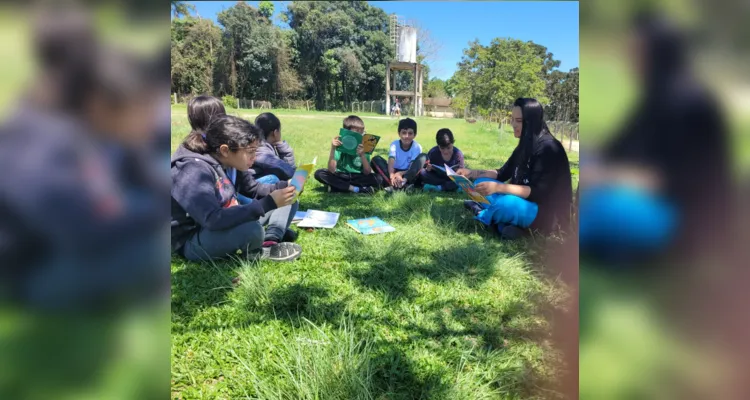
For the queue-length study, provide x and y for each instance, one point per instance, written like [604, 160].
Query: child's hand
[428, 166]
[336, 142]
[397, 179]
[360, 150]
[283, 197]
[464, 172]
[488, 188]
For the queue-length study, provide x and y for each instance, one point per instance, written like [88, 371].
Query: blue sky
[454, 24]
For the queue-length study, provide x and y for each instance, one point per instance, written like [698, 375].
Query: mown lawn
[439, 309]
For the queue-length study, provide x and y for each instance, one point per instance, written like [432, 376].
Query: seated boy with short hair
[405, 157]
[349, 173]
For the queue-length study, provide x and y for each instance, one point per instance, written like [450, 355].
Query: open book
[369, 142]
[466, 185]
[370, 226]
[350, 140]
[301, 174]
[319, 219]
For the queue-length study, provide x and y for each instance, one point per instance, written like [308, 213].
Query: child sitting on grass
[405, 157]
[445, 153]
[209, 169]
[275, 159]
[349, 173]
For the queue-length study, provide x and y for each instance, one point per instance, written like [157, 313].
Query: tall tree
[493, 76]
[250, 41]
[266, 9]
[321, 28]
[195, 44]
[182, 9]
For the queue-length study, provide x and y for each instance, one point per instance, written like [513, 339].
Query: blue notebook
[370, 226]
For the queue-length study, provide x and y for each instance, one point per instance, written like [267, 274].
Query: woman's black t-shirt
[548, 176]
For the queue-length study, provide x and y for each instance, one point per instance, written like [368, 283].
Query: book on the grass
[349, 141]
[370, 226]
[466, 185]
[369, 142]
[301, 174]
[319, 219]
[299, 216]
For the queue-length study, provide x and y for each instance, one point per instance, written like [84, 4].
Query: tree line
[334, 53]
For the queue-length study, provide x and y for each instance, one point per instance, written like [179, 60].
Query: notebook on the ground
[466, 185]
[370, 226]
[299, 216]
[319, 219]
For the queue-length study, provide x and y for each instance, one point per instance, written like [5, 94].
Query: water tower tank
[407, 44]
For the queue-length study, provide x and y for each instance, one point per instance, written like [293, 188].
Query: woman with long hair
[533, 189]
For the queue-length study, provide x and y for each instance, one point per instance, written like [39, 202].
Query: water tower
[404, 40]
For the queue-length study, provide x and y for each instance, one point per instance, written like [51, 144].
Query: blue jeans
[622, 219]
[248, 237]
[506, 209]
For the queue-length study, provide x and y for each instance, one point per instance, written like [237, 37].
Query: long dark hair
[664, 49]
[201, 110]
[227, 130]
[267, 122]
[533, 129]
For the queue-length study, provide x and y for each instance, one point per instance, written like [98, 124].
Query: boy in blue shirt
[405, 157]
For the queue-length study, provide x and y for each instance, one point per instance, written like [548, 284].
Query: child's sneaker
[367, 190]
[388, 189]
[431, 188]
[409, 188]
[283, 251]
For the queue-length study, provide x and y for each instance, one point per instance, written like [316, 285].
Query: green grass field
[439, 309]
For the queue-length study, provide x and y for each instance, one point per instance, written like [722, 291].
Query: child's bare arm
[332, 157]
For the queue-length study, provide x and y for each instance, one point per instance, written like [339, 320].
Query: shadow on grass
[310, 301]
[198, 285]
[395, 378]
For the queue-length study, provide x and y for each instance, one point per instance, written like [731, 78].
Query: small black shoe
[473, 206]
[289, 236]
[367, 190]
[510, 232]
[409, 188]
[388, 189]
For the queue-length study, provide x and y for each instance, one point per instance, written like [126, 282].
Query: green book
[349, 141]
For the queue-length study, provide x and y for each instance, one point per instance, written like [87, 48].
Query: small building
[438, 107]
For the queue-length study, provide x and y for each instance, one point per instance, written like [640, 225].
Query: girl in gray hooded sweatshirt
[209, 170]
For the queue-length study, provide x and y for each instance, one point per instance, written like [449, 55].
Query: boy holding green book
[349, 172]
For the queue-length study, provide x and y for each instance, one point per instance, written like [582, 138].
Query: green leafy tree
[266, 9]
[182, 9]
[342, 49]
[492, 77]
[435, 88]
[195, 44]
